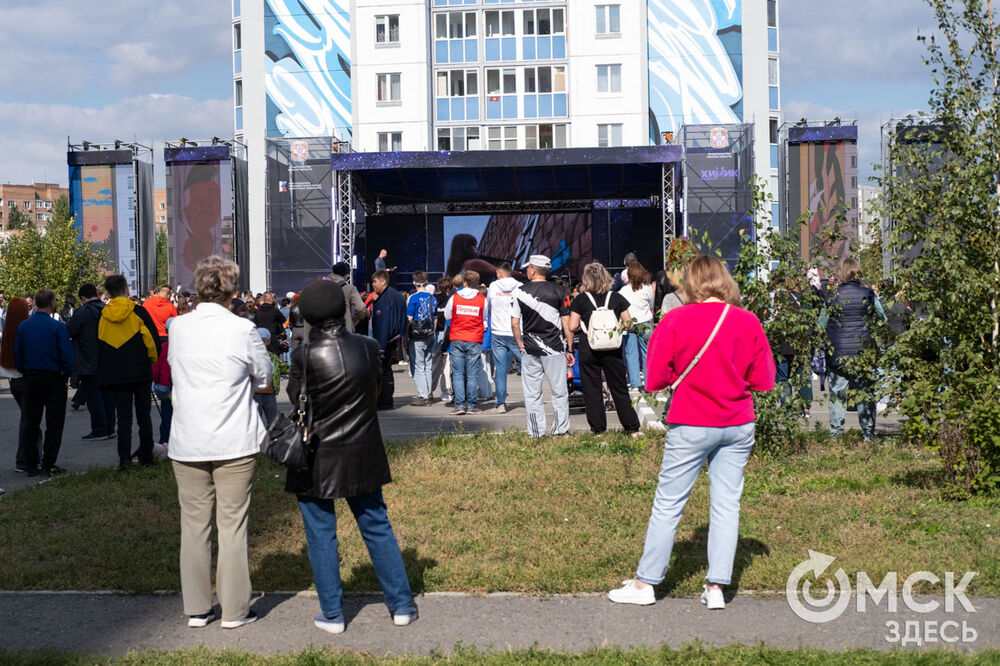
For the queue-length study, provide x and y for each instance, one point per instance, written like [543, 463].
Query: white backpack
[604, 332]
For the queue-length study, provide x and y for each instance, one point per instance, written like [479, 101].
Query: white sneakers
[713, 598]
[404, 619]
[629, 594]
[236, 624]
[335, 626]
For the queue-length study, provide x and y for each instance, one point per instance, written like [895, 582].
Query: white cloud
[853, 41]
[32, 146]
[55, 49]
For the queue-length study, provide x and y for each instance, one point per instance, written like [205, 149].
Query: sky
[149, 71]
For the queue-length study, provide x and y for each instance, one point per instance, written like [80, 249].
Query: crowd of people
[213, 360]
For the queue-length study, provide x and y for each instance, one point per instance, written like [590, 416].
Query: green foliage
[54, 258]
[942, 195]
[17, 219]
[772, 279]
[161, 258]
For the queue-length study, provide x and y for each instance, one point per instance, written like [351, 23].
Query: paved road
[114, 624]
[402, 423]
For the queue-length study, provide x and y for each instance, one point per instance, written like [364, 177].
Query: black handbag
[287, 439]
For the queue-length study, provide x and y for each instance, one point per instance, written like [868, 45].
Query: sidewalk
[114, 624]
[402, 423]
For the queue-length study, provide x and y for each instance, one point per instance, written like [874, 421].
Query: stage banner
[822, 184]
[718, 188]
[103, 205]
[300, 238]
[199, 209]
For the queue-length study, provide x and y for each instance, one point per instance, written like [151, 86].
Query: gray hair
[215, 280]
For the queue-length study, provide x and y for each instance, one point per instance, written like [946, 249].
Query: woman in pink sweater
[711, 418]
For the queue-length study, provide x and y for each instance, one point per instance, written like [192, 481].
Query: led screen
[199, 215]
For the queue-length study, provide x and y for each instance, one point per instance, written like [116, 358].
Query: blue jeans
[687, 448]
[465, 362]
[839, 386]
[268, 403]
[320, 522]
[504, 350]
[421, 356]
[797, 367]
[635, 356]
[162, 394]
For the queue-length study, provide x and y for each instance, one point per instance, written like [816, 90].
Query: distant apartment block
[36, 201]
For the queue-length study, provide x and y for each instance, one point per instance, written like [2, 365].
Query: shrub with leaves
[942, 195]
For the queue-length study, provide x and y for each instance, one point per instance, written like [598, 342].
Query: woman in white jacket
[216, 361]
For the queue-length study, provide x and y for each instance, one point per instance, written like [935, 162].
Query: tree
[161, 258]
[17, 219]
[55, 258]
[943, 198]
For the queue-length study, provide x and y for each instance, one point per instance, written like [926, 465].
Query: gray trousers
[553, 369]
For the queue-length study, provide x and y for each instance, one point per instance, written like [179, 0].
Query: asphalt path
[115, 624]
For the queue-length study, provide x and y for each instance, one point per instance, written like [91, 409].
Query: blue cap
[264, 333]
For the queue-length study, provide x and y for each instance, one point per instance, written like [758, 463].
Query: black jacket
[270, 317]
[83, 330]
[849, 330]
[344, 375]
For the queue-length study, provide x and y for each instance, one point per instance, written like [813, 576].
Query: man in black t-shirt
[540, 324]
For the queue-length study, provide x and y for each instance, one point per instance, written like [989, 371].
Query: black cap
[321, 301]
[341, 268]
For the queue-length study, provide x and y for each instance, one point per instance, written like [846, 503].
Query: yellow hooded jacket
[119, 326]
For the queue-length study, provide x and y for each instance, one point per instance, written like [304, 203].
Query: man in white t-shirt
[498, 300]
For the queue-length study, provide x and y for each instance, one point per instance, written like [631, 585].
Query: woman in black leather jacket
[343, 374]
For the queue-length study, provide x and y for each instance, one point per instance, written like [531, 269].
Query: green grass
[694, 655]
[485, 513]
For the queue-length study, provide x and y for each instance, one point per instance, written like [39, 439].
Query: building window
[545, 136]
[772, 13]
[544, 21]
[389, 88]
[390, 141]
[608, 19]
[773, 100]
[27, 205]
[609, 135]
[772, 130]
[455, 25]
[458, 83]
[502, 138]
[544, 79]
[237, 37]
[458, 138]
[500, 24]
[854, 161]
[772, 71]
[162, 205]
[387, 29]
[609, 79]
[236, 8]
[494, 77]
[238, 92]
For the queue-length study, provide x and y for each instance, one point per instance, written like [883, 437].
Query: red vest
[467, 318]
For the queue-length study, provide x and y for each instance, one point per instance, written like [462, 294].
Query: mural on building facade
[307, 70]
[695, 64]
